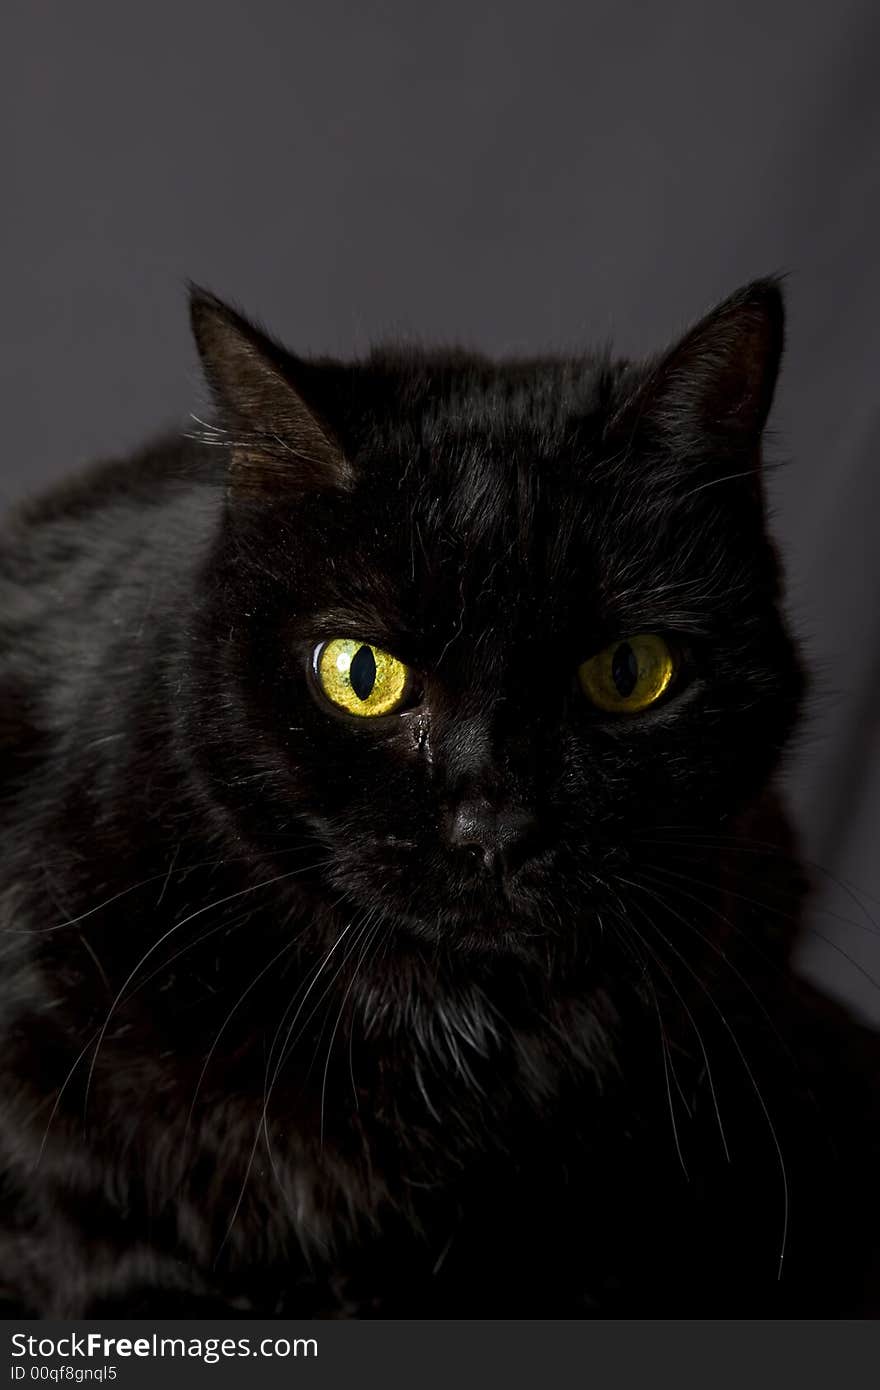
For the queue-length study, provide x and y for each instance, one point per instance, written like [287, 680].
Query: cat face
[485, 628]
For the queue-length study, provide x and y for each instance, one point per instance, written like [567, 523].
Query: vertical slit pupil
[362, 672]
[624, 669]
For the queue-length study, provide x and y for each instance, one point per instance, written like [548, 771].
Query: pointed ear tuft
[718, 381]
[254, 384]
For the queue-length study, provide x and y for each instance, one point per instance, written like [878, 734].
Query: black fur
[274, 1040]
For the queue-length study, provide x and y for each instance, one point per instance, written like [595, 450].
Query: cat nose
[501, 841]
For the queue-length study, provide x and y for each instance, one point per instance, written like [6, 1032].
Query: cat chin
[481, 940]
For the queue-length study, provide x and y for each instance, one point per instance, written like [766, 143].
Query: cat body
[481, 1006]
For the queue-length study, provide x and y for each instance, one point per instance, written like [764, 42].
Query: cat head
[480, 630]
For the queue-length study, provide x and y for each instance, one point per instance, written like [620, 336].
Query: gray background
[517, 176]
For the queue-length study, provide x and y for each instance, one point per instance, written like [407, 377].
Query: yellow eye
[360, 678]
[628, 676]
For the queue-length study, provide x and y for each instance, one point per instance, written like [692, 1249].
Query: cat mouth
[474, 929]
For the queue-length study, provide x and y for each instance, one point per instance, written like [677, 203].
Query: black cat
[396, 910]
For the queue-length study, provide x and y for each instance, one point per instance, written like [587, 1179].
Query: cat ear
[717, 382]
[253, 381]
